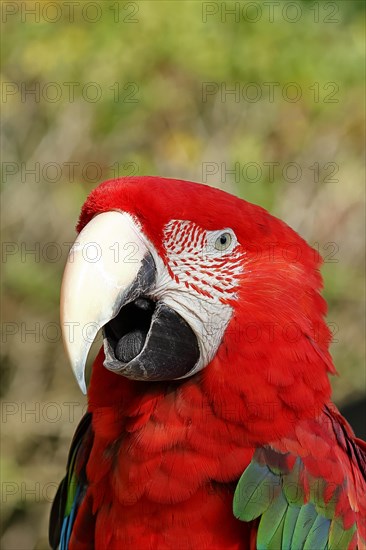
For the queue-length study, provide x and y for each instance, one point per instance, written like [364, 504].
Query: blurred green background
[265, 100]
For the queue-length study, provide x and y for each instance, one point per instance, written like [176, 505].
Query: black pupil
[223, 239]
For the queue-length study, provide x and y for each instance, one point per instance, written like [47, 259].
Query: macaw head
[185, 278]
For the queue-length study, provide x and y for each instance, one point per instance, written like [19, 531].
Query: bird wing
[72, 488]
[308, 491]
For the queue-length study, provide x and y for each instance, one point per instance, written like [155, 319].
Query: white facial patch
[201, 275]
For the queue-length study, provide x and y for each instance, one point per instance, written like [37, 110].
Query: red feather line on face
[190, 261]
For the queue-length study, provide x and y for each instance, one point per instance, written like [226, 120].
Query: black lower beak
[150, 341]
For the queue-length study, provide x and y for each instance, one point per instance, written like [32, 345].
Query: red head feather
[274, 356]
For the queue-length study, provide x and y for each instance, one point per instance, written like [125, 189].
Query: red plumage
[165, 457]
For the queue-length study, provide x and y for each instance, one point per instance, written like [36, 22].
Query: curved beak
[108, 266]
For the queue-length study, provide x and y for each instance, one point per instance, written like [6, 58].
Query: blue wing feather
[71, 490]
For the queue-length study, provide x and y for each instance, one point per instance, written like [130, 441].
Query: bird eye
[223, 241]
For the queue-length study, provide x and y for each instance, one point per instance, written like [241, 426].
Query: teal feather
[271, 521]
[289, 526]
[318, 534]
[276, 541]
[304, 523]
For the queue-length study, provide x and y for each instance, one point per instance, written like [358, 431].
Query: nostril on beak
[144, 303]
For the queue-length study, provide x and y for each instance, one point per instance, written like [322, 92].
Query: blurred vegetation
[142, 90]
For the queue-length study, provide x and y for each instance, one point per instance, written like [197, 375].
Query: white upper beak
[101, 268]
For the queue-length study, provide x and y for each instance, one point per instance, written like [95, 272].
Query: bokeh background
[264, 100]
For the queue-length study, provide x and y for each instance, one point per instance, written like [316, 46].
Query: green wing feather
[307, 491]
[289, 526]
[287, 520]
[271, 525]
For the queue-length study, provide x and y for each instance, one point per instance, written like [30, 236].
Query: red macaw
[209, 422]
